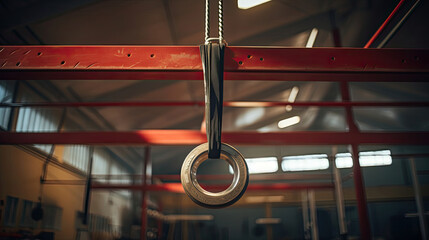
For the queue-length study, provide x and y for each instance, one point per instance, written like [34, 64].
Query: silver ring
[210, 199]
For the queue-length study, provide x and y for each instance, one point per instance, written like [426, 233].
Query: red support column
[365, 229]
[364, 226]
[146, 179]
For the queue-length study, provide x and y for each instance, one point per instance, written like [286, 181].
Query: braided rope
[207, 23]
[220, 21]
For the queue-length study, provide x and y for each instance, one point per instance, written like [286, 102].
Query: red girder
[178, 188]
[194, 137]
[226, 104]
[184, 63]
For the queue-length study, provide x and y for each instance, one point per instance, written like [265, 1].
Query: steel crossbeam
[195, 137]
[237, 104]
[184, 63]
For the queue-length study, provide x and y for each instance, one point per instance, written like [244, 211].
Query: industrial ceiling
[167, 22]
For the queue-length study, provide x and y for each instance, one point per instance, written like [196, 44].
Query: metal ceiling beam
[178, 188]
[184, 63]
[194, 137]
[237, 104]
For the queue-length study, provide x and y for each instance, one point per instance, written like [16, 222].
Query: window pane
[343, 160]
[260, 165]
[5, 97]
[26, 219]
[52, 216]
[366, 159]
[77, 156]
[375, 158]
[305, 162]
[10, 211]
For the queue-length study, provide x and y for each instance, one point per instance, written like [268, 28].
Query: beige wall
[20, 173]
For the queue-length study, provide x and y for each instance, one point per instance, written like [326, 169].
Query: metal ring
[215, 40]
[210, 199]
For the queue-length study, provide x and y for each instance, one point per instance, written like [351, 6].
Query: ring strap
[212, 56]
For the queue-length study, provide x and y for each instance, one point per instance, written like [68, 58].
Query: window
[260, 165]
[366, 159]
[117, 169]
[305, 163]
[10, 211]
[77, 156]
[104, 163]
[37, 120]
[100, 164]
[5, 97]
[52, 216]
[96, 223]
[26, 219]
[343, 160]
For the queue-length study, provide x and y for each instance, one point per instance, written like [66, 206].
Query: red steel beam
[178, 188]
[364, 225]
[184, 63]
[226, 104]
[237, 76]
[195, 137]
[252, 177]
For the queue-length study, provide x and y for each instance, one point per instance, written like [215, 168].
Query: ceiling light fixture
[312, 38]
[246, 4]
[289, 122]
[292, 96]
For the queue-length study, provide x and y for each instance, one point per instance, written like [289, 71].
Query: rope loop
[207, 37]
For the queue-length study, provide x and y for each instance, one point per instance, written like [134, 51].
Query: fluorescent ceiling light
[289, 122]
[366, 159]
[260, 165]
[246, 4]
[292, 96]
[305, 163]
[312, 38]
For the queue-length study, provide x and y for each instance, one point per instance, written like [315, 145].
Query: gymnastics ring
[210, 199]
